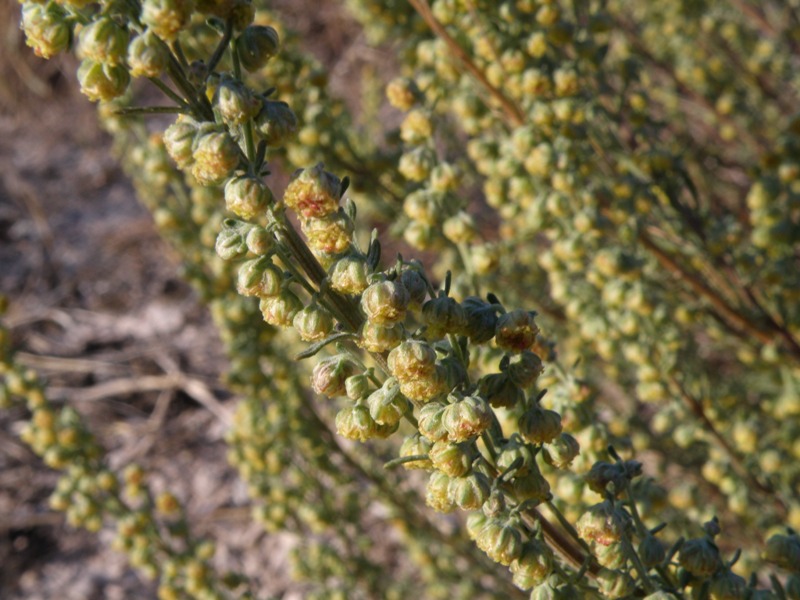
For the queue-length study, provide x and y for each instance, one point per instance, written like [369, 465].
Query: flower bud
[470, 492]
[533, 566]
[500, 391]
[378, 338]
[420, 236]
[481, 319]
[437, 493]
[615, 584]
[423, 206]
[387, 405]
[235, 102]
[259, 277]
[612, 556]
[280, 310]
[402, 93]
[539, 426]
[349, 275]
[256, 45]
[102, 82]
[467, 418]
[259, 241]
[276, 123]
[460, 228]
[445, 178]
[562, 451]
[531, 487]
[443, 316]
[179, 141]
[602, 523]
[452, 459]
[246, 196]
[515, 449]
[385, 302]
[501, 541]
[516, 331]
[411, 359]
[416, 445]
[426, 387]
[651, 551]
[313, 323]
[103, 41]
[331, 234]
[328, 377]
[46, 28]
[728, 586]
[430, 421]
[231, 239]
[525, 369]
[166, 18]
[784, 551]
[215, 156]
[313, 193]
[354, 423]
[700, 557]
[416, 165]
[357, 386]
[415, 283]
[602, 473]
[147, 56]
[416, 127]
[476, 521]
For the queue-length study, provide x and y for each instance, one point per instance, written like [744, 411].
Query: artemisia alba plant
[453, 368]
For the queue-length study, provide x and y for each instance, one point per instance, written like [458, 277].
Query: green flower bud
[166, 18]
[516, 331]
[259, 277]
[470, 492]
[539, 426]
[416, 445]
[331, 234]
[424, 206]
[387, 405]
[235, 102]
[445, 178]
[313, 323]
[452, 459]
[385, 303]
[378, 338]
[533, 566]
[102, 82]
[700, 557]
[437, 493]
[416, 165]
[357, 386]
[467, 418]
[612, 556]
[615, 584]
[179, 141]
[355, 423]
[276, 123]
[328, 377]
[602, 523]
[402, 93]
[147, 56]
[531, 487]
[427, 387]
[651, 551]
[420, 235]
[246, 196]
[525, 368]
[430, 421]
[215, 156]
[728, 586]
[414, 281]
[602, 473]
[280, 310]
[500, 391]
[502, 541]
[313, 193]
[460, 228]
[481, 319]
[256, 45]
[792, 587]
[349, 275]
[476, 521]
[46, 28]
[562, 451]
[784, 551]
[416, 127]
[443, 316]
[104, 41]
[513, 450]
[260, 241]
[231, 240]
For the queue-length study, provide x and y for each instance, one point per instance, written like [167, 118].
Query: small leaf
[312, 350]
